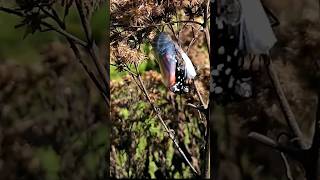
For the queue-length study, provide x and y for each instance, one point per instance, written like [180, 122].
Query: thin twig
[263, 139]
[91, 46]
[193, 40]
[85, 22]
[199, 108]
[103, 75]
[91, 74]
[156, 109]
[11, 11]
[65, 33]
[54, 16]
[200, 96]
[287, 165]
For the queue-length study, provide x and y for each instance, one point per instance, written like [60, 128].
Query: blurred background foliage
[53, 120]
[28, 50]
[296, 61]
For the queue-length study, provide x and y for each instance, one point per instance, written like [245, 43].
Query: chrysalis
[175, 65]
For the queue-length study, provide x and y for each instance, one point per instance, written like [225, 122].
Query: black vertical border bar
[214, 158]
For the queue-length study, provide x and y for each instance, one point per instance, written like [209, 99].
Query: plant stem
[285, 107]
[156, 109]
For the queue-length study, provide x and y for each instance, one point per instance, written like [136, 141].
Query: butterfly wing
[168, 70]
[167, 59]
[190, 72]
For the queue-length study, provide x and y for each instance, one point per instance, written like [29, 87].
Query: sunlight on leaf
[152, 168]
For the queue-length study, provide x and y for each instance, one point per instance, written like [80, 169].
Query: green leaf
[91, 162]
[169, 154]
[177, 175]
[50, 162]
[152, 168]
[186, 139]
[124, 113]
[100, 136]
[141, 146]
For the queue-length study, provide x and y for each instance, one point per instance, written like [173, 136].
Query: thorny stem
[156, 109]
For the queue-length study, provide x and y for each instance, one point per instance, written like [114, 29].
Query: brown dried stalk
[139, 82]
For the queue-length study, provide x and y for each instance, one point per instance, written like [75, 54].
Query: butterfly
[175, 65]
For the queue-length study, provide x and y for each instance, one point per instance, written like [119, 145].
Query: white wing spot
[218, 90]
[215, 72]
[219, 24]
[220, 66]
[221, 50]
[235, 52]
[230, 83]
[228, 71]
[228, 58]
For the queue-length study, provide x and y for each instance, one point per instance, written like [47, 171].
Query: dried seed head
[122, 53]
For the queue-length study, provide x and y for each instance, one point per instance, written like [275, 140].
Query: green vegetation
[51, 113]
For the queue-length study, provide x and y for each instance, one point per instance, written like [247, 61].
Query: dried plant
[134, 25]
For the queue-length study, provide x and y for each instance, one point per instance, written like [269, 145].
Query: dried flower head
[122, 53]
